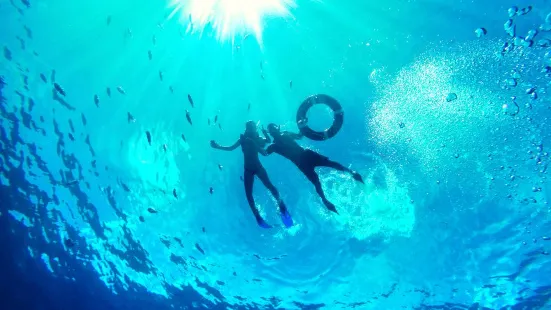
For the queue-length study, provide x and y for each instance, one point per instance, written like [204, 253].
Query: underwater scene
[275, 154]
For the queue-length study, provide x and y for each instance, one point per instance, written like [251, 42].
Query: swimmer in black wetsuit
[252, 144]
[306, 160]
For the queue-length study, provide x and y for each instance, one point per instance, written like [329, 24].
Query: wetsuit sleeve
[228, 148]
[266, 136]
[293, 135]
[270, 149]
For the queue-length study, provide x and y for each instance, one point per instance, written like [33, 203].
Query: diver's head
[273, 129]
[250, 127]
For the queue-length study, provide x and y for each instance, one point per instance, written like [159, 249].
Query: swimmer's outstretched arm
[266, 136]
[224, 148]
[296, 136]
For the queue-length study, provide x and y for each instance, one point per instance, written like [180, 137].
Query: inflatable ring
[302, 120]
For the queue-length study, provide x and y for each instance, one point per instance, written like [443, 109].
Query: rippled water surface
[112, 198]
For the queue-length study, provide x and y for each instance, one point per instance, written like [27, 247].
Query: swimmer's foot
[331, 207]
[286, 217]
[262, 223]
[357, 177]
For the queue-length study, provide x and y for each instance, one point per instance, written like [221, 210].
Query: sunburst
[229, 19]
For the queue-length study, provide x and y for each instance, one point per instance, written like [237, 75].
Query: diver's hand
[213, 143]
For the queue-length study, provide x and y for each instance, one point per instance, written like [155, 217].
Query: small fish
[152, 211]
[174, 193]
[220, 167]
[125, 187]
[171, 89]
[161, 75]
[241, 178]
[108, 20]
[73, 182]
[130, 118]
[203, 228]
[184, 138]
[7, 53]
[249, 107]
[179, 241]
[43, 78]
[220, 126]
[188, 117]
[69, 243]
[148, 135]
[83, 119]
[150, 55]
[141, 219]
[165, 147]
[290, 84]
[199, 248]
[59, 89]
[208, 121]
[121, 90]
[211, 190]
[108, 91]
[216, 118]
[262, 77]
[29, 32]
[190, 100]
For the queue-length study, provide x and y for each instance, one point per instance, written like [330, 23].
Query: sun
[229, 19]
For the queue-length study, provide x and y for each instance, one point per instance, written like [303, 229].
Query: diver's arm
[260, 148]
[262, 151]
[224, 148]
[269, 150]
[296, 136]
[266, 136]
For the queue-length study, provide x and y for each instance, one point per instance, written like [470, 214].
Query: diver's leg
[311, 174]
[263, 176]
[285, 216]
[325, 162]
[248, 180]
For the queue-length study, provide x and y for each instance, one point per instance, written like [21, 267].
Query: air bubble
[480, 32]
[512, 11]
[451, 97]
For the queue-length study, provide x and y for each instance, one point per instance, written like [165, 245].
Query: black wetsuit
[306, 160]
[251, 147]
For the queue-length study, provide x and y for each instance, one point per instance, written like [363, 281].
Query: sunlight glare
[229, 19]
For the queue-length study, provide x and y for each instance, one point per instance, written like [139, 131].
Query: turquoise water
[454, 212]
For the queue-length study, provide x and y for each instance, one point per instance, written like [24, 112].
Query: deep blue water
[454, 213]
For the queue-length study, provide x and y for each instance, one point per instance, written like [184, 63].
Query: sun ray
[229, 19]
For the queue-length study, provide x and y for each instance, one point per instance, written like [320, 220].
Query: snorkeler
[252, 144]
[306, 160]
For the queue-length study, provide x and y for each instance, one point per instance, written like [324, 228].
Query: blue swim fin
[262, 223]
[286, 219]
